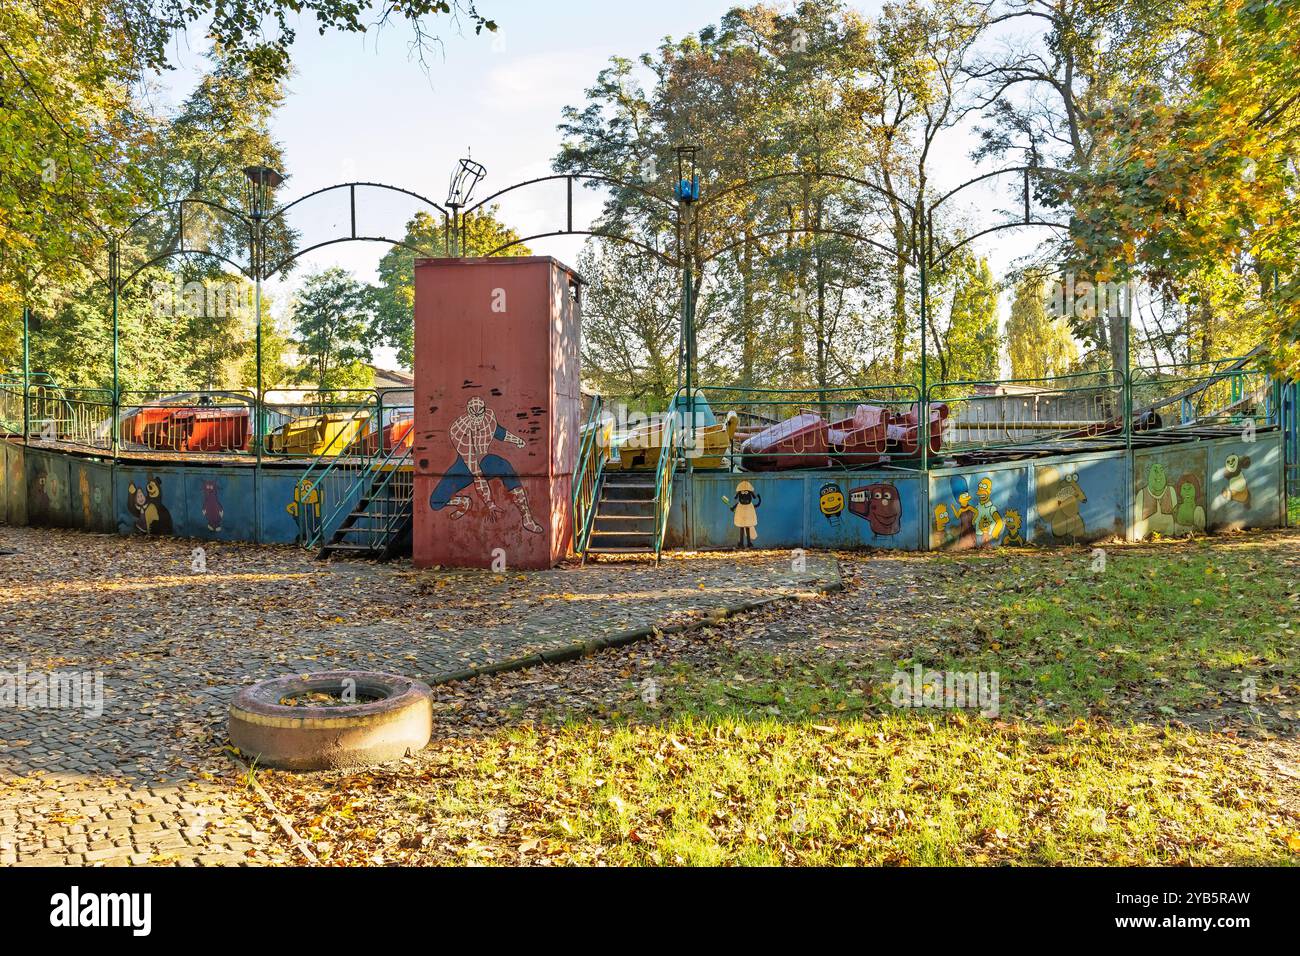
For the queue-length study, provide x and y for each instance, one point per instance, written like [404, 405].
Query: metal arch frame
[1026, 172]
[615, 237]
[808, 174]
[280, 211]
[570, 177]
[569, 180]
[179, 206]
[801, 230]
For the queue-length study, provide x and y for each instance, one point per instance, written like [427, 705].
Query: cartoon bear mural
[146, 504]
[1237, 490]
[1059, 496]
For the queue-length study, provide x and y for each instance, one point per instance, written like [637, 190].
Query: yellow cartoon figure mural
[1013, 521]
[988, 522]
[306, 498]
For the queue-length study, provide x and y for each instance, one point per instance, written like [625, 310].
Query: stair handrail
[373, 463]
[330, 459]
[593, 454]
[664, 470]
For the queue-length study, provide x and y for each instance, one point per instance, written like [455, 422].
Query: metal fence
[1223, 392]
[992, 414]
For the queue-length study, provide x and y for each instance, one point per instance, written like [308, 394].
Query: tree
[1038, 345]
[333, 318]
[78, 144]
[395, 294]
[968, 348]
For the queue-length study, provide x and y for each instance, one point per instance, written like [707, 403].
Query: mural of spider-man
[471, 435]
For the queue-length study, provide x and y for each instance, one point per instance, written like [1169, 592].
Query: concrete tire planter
[393, 716]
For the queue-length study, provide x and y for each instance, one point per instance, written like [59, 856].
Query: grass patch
[899, 791]
[800, 758]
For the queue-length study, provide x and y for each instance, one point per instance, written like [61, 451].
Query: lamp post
[463, 180]
[686, 190]
[114, 284]
[262, 180]
[27, 369]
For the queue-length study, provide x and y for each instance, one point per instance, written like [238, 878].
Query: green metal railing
[331, 475]
[993, 414]
[592, 454]
[302, 424]
[1228, 391]
[371, 476]
[840, 443]
[668, 459]
[210, 422]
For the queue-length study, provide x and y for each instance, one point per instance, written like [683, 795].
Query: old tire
[398, 721]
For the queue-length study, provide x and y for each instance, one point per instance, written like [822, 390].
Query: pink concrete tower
[497, 408]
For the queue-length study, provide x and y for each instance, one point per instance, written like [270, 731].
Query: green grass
[1156, 633]
[760, 759]
[894, 791]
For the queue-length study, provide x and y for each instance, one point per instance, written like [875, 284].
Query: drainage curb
[579, 649]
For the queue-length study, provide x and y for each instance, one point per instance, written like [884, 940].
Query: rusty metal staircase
[626, 510]
[622, 512]
[378, 524]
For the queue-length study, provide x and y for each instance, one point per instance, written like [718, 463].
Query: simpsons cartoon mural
[979, 523]
[472, 435]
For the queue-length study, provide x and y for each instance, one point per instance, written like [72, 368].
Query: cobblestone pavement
[144, 782]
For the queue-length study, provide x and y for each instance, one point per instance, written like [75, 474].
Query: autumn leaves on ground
[1147, 713]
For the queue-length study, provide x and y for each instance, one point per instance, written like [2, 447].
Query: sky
[361, 108]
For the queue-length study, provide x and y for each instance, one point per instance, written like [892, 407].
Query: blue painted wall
[1079, 499]
[832, 509]
[1054, 501]
[1246, 483]
[982, 507]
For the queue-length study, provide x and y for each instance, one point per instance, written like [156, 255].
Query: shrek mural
[1189, 513]
[1155, 502]
[1169, 507]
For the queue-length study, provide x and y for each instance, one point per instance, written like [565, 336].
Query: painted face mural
[880, 505]
[1237, 490]
[831, 501]
[472, 435]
